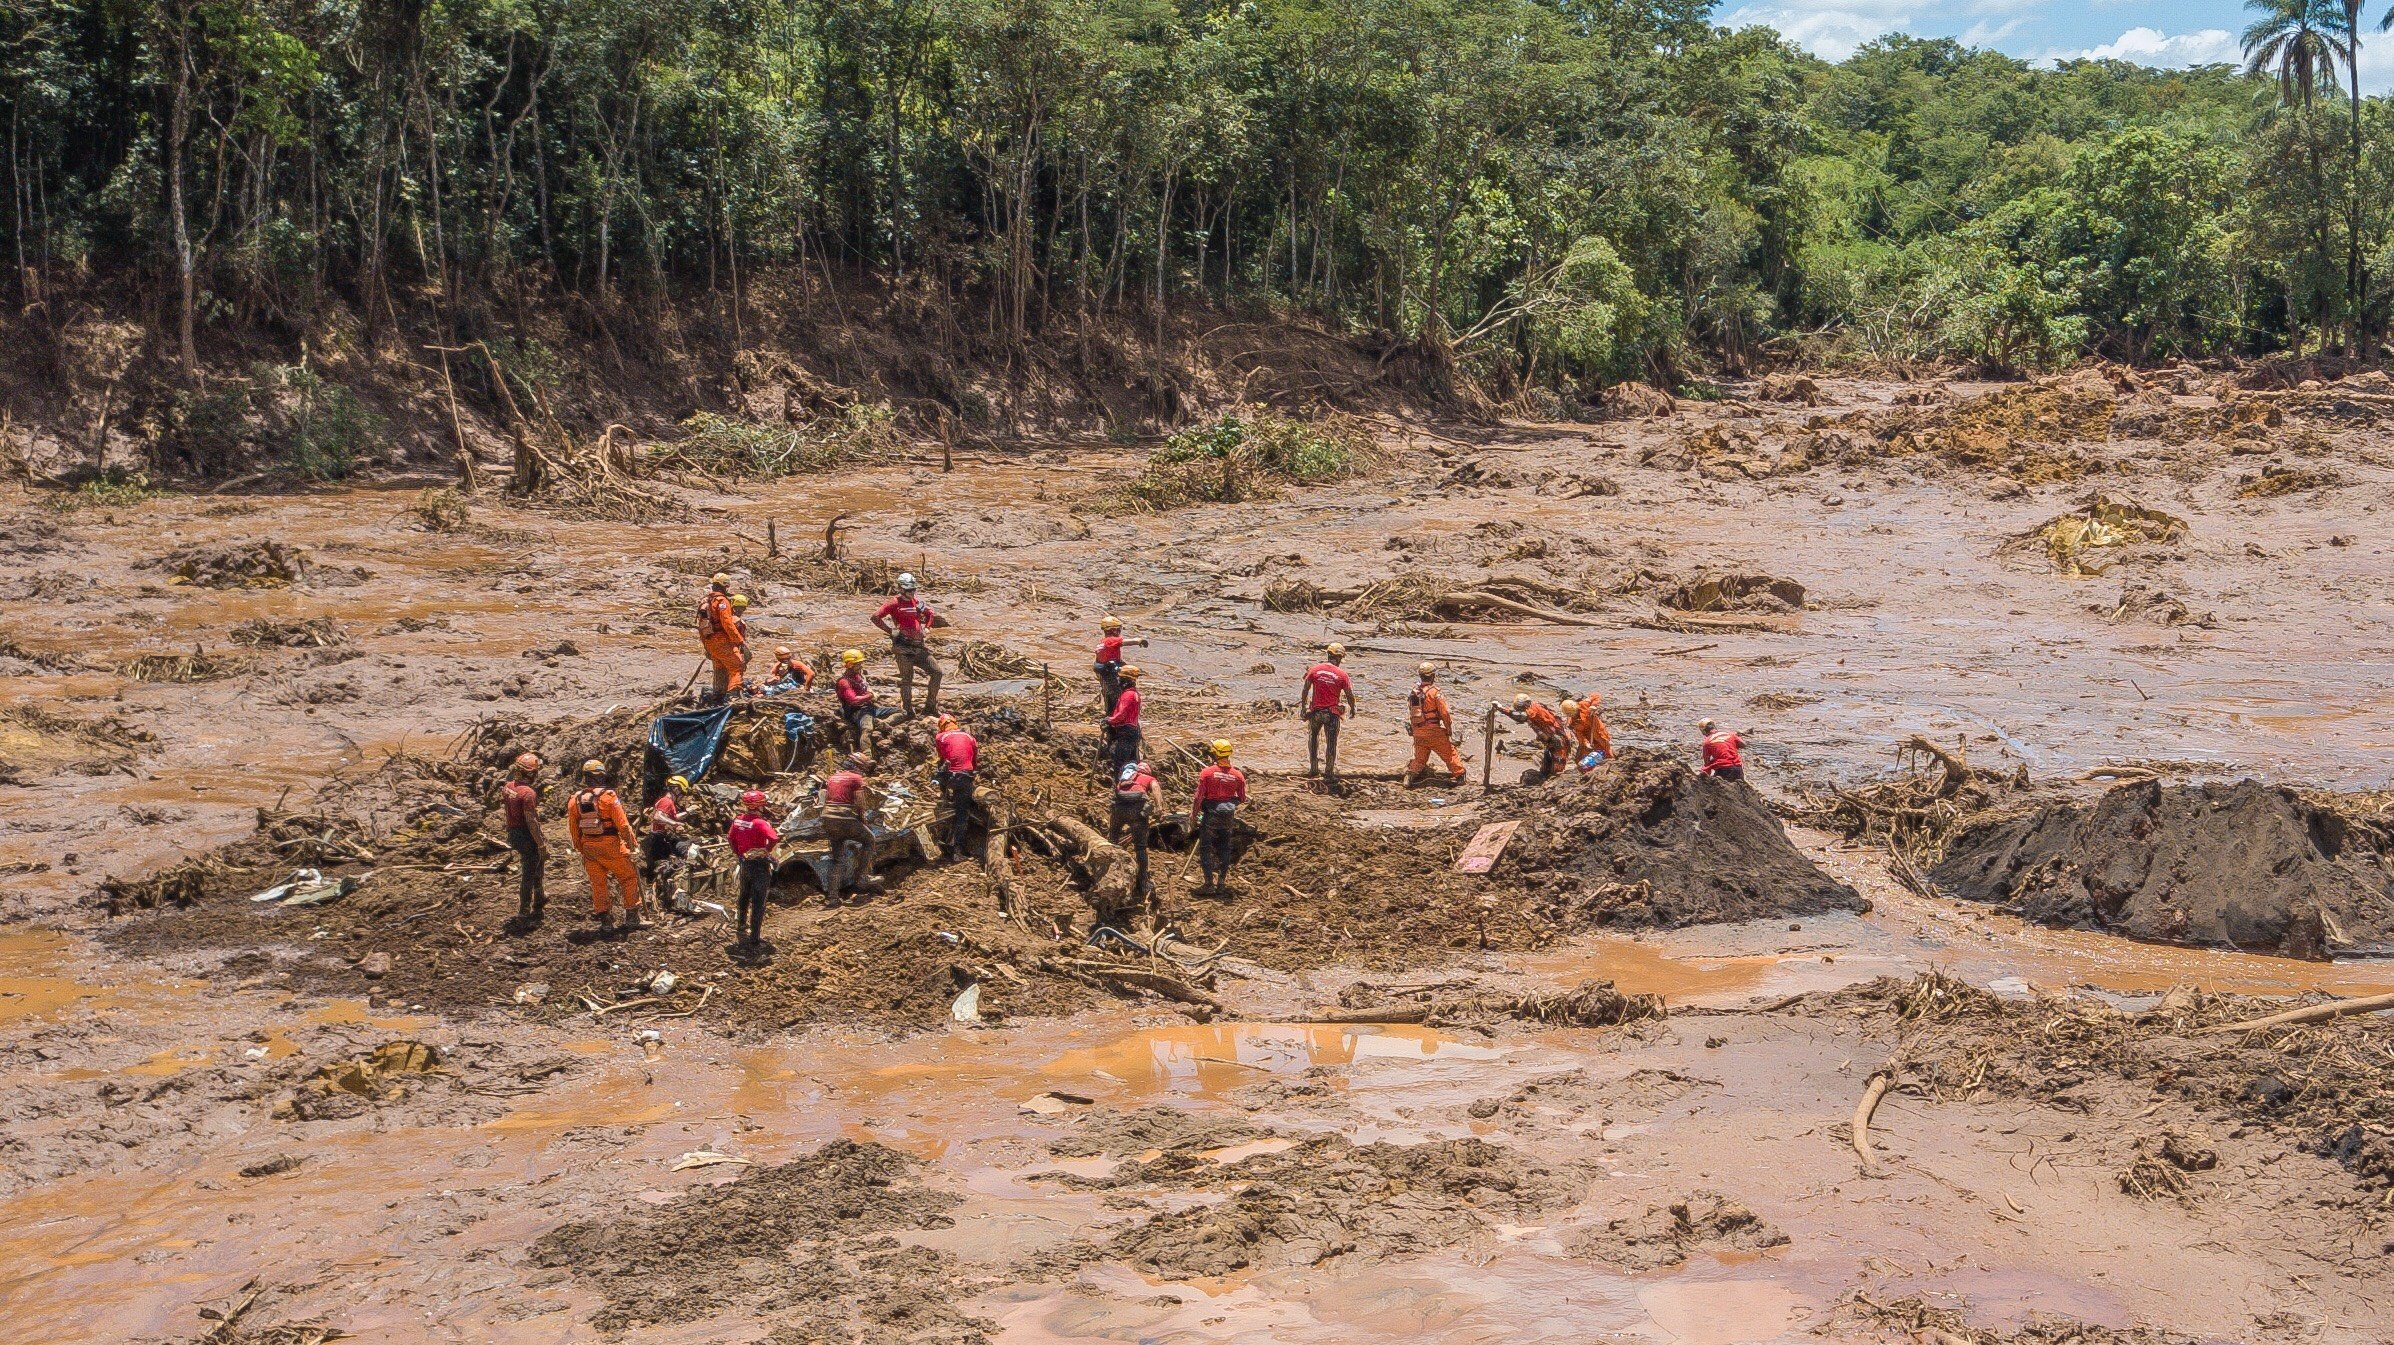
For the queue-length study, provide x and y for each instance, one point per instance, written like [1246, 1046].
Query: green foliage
[321, 428]
[718, 445]
[112, 488]
[1247, 456]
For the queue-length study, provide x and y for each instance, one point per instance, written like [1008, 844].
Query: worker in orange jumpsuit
[1587, 726]
[601, 831]
[1433, 729]
[1555, 747]
[724, 638]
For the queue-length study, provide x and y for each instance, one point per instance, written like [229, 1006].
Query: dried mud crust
[1325, 1198]
[1904, 1321]
[1645, 842]
[2244, 866]
[1664, 1235]
[809, 1241]
[2322, 1088]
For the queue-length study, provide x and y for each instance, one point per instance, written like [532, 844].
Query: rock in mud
[1647, 843]
[1737, 593]
[2247, 866]
[1663, 1236]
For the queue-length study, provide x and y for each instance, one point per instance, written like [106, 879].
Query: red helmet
[528, 764]
[754, 798]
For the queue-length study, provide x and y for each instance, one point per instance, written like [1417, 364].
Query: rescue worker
[1109, 658]
[846, 799]
[602, 833]
[1555, 747]
[668, 847]
[1587, 727]
[519, 805]
[1327, 696]
[858, 703]
[1724, 753]
[752, 840]
[1122, 723]
[907, 620]
[723, 637]
[958, 774]
[790, 673]
[1433, 726]
[1214, 806]
[1137, 800]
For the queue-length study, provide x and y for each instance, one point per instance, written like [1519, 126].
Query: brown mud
[213, 1102]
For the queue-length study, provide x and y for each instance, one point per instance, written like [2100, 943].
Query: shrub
[726, 447]
[1244, 455]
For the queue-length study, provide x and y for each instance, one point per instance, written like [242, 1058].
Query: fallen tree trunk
[1154, 982]
[2317, 1013]
[1111, 868]
[1392, 1013]
[1483, 598]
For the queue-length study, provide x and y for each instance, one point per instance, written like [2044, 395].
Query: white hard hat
[906, 581]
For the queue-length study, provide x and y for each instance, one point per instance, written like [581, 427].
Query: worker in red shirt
[1326, 696]
[1433, 725]
[668, 847]
[1723, 752]
[752, 840]
[846, 800]
[519, 807]
[1122, 723]
[724, 638]
[1137, 801]
[1109, 658]
[958, 774]
[1554, 746]
[1214, 806]
[858, 703]
[907, 621]
[603, 834]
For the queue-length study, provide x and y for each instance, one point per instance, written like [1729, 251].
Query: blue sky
[2153, 32]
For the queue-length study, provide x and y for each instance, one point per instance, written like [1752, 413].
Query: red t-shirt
[520, 804]
[958, 750]
[844, 787]
[751, 834]
[1720, 749]
[1126, 709]
[1109, 649]
[666, 808]
[1140, 782]
[1219, 784]
[853, 690]
[1323, 683]
[911, 615]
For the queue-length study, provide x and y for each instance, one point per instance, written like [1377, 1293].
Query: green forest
[1580, 190]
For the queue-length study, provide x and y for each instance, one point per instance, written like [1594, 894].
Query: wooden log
[1880, 1081]
[2317, 1013]
[1392, 1013]
[1483, 598]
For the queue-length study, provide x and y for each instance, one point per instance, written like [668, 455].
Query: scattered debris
[260, 564]
[317, 632]
[2101, 524]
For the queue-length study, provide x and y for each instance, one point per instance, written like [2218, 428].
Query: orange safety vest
[593, 818]
[1429, 708]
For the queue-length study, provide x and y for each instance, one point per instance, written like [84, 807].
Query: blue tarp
[687, 742]
[796, 724]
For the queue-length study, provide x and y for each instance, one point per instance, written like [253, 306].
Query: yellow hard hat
[1429, 670]
[679, 782]
[1110, 623]
[1222, 749]
[1521, 702]
[851, 657]
[1129, 673]
[1570, 707]
[739, 602]
[1336, 650]
[594, 766]
[720, 580]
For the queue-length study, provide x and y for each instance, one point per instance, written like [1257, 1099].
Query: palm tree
[2294, 39]
[2348, 36]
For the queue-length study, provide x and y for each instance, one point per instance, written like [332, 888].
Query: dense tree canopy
[1582, 188]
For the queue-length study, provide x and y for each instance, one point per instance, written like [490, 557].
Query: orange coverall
[726, 643]
[1433, 731]
[1588, 727]
[595, 819]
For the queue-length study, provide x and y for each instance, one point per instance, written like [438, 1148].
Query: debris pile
[2118, 527]
[197, 666]
[350, 1087]
[1468, 1003]
[2243, 866]
[261, 564]
[1737, 593]
[35, 743]
[2025, 432]
[1649, 843]
[1914, 812]
[1663, 1236]
[316, 632]
[1438, 598]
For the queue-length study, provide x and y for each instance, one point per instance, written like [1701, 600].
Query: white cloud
[2151, 46]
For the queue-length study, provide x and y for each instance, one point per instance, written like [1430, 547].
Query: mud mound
[1646, 842]
[1906, 1320]
[1737, 593]
[1326, 1198]
[1150, 1130]
[2115, 528]
[2028, 433]
[260, 564]
[1665, 1234]
[321, 632]
[1474, 1004]
[1573, 1095]
[799, 1243]
[2245, 866]
[2139, 602]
